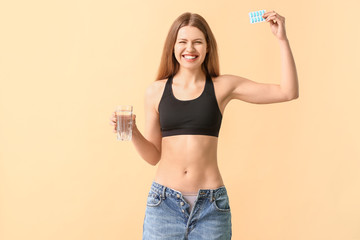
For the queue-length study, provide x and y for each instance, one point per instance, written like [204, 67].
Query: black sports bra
[199, 116]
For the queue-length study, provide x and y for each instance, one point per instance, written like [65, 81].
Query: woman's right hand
[113, 121]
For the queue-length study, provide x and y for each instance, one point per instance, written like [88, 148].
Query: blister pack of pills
[256, 16]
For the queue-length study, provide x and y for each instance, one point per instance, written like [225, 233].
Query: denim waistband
[202, 193]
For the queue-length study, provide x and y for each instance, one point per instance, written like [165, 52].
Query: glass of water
[124, 122]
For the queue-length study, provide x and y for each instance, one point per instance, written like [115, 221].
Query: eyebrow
[194, 39]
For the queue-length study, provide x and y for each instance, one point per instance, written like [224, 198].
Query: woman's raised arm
[261, 93]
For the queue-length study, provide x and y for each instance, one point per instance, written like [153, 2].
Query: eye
[182, 42]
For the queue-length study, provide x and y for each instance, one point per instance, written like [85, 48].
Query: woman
[184, 109]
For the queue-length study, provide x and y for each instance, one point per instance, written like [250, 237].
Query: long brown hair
[169, 66]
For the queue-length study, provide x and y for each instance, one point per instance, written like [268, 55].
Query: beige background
[291, 169]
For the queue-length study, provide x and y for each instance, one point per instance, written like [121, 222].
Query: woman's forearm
[289, 79]
[145, 148]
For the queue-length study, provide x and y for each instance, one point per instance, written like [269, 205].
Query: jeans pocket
[153, 199]
[221, 203]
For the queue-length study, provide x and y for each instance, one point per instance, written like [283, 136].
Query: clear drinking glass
[124, 122]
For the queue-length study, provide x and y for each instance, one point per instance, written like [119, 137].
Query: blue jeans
[167, 215]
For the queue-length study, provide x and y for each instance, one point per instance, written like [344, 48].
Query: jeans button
[182, 203]
[182, 210]
[178, 195]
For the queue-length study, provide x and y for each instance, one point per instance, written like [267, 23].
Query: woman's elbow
[154, 159]
[293, 96]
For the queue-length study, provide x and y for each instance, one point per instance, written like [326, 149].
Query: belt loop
[212, 195]
[163, 193]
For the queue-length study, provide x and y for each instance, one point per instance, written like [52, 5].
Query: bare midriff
[189, 163]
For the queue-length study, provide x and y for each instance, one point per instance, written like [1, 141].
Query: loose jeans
[167, 215]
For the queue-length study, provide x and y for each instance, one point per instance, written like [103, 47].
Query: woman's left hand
[277, 24]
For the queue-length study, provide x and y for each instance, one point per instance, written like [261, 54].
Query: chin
[194, 67]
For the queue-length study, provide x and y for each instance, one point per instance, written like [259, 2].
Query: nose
[190, 46]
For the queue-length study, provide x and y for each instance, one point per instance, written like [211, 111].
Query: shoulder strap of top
[167, 90]
[209, 85]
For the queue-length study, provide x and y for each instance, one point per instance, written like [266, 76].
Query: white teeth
[190, 57]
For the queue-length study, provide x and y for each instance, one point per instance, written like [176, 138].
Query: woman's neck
[190, 76]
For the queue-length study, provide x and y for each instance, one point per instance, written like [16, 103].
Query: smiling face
[190, 47]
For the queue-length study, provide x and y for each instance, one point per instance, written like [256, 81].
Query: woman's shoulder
[225, 84]
[157, 85]
[155, 89]
[228, 81]
[225, 78]
[154, 92]
[225, 81]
